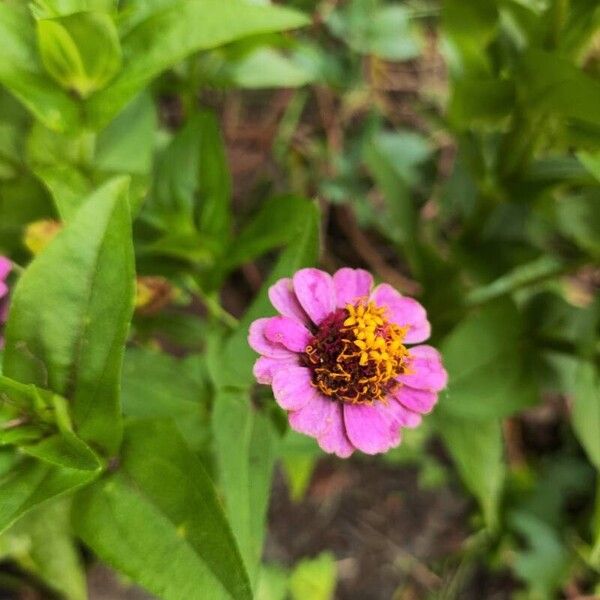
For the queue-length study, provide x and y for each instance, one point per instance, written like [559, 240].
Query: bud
[39, 234]
[152, 294]
[80, 51]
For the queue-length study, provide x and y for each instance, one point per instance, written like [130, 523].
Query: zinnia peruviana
[340, 361]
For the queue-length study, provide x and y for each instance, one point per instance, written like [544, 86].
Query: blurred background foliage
[452, 148]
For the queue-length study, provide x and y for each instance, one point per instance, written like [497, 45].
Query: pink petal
[315, 292]
[404, 312]
[399, 415]
[351, 284]
[283, 298]
[426, 371]
[334, 439]
[5, 267]
[420, 401]
[259, 343]
[287, 332]
[292, 388]
[315, 417]
[265, 368]
[368, 428]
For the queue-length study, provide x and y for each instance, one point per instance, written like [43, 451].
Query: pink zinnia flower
[337, 360]
[5, 268]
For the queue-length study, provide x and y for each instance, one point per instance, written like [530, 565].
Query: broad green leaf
[157, 385]
[544, 565]
[384, 31]
[272, 583]
[393, 160]
[178, 546]
[67, 185]
[127, 144]
[70, 314]
[550, 82]
[487, 101]
[485, 360]
[80, 51]
[272, 226]
[268, 68]
[175, 31]
[235, 363]
[214, 181]
[299, 457]
[41, 542]
[469, 28]
[32, 482]
[578, 218]
[477, 451]
[64, 450]
[586, 410]
[314, 578]
[591, 161]
[245, 447]
[23, 74]
[171, 204]
[43, 9]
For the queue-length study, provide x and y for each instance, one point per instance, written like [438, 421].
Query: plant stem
[212, 305]
[537, 271]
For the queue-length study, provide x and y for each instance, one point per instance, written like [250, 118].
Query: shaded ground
[382, 529]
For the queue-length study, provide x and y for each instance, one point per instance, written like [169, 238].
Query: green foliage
[73, 343]
[80, 51]
[131, 424]
[314, 578]
[143, 521]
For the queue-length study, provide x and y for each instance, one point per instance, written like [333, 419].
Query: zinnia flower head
[338, 359]
[5, 269]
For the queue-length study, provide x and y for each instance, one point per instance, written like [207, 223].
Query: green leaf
[214, 181]
[66, 184]
[393, 160]
[70, 314]
[173, 32]
[480, 101]
[80, 51]
[274, 224]
[299, 457]
[544, 565]
[549, 82]
[237, 358]
[578, 218]
[178, 546]
[33, 482]
[485, 360]
[23, 74]
[477, 451]
[157, 385]
[127, 144]
[272, 583]
[384, 31]
[268, 68]
[314, 578]
[245, 444]
[42, 543]
[585, 415]
[65, 450]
